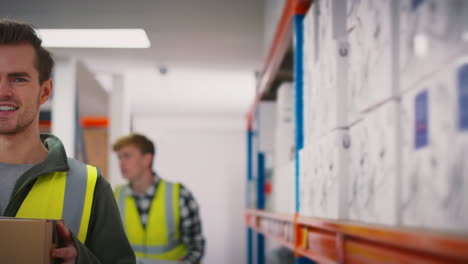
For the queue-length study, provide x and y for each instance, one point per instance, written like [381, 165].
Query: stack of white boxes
[262, 142]
[386, 113]
[284, 131]
[433, 33]
[309, 65]
[283, 182]
[374, 162]
[434, 74]
[306, 185]
[323, 160]
[372, 41]
[373, 111]
[326, 172]
[325, 69]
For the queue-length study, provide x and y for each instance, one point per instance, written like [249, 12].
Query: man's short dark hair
[14, 32]
[144, 144]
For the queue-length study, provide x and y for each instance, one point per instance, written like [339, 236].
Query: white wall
[196, 118]
[63, 110]
[188, 90]
[120, 119]
[208, 155]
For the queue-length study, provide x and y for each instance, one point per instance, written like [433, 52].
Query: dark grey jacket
[106, 242]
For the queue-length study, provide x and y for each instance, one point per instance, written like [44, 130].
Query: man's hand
[68, 253]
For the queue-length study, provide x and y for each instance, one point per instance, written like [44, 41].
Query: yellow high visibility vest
[63, 195]
[161, 238]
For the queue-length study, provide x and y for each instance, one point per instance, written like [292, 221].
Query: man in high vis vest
[37, 178]
[161, 218]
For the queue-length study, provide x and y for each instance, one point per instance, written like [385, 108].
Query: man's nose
[6, 89]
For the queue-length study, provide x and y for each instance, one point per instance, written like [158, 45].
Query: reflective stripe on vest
[161, 238]
[62, 195]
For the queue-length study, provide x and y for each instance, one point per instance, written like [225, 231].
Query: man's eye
[19, 80]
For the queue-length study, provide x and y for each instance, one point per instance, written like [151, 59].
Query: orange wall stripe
[95, 121]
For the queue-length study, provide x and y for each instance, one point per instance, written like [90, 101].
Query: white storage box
[435, 151]
[328, 96]
[374, 162]
[333, 173]
[283, 188]
[433, 33]
[284, 148]
[372, 54]
[325, 166]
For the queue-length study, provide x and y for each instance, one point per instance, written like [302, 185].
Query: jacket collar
[56, 155]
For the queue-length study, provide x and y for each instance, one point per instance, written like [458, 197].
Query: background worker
[161, 218]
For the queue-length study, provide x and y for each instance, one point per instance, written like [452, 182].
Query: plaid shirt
[190, 224]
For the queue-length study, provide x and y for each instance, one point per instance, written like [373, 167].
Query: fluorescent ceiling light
[94, 38]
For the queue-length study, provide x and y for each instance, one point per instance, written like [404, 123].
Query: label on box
[421, 110]
[415, 4]
[462, 82]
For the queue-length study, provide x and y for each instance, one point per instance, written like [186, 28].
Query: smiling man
[37, 179]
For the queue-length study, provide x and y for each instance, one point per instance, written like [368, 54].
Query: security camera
[162, 70]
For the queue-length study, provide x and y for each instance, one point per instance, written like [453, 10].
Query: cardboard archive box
[26, 241]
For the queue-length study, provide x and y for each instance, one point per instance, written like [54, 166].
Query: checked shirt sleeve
[191, 229]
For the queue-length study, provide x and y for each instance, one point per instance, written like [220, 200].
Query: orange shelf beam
[280, 240]
[253, 221]
[329, 241]
[315, 256]
[449, 246]
[270, 215]
[368, 253]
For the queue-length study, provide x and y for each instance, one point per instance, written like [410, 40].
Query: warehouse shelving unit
[324, 240]
[327, 241]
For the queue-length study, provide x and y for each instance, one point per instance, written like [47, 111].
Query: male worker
[37, 179]
[160, 217]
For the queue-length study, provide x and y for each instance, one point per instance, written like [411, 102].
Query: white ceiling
[215, 35]
[197, 33]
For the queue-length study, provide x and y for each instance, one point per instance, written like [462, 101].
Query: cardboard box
[26, 241]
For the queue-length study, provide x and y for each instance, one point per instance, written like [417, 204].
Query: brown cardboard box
[27, 241]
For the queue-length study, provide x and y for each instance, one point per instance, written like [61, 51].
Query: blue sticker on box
[421, 126]
[415, 4]
[462, 83]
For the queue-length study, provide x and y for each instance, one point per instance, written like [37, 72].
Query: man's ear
[46, 91]
[148, 158]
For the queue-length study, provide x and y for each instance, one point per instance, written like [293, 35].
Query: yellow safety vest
[161, 240]
[63, 195]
